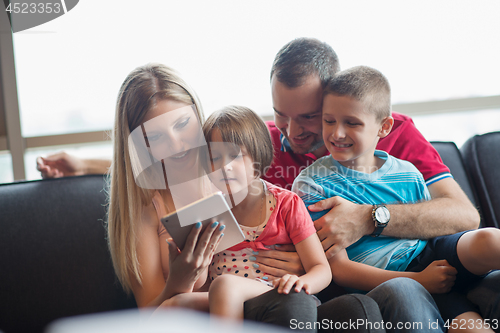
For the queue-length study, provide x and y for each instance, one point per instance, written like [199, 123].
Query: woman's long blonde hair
[143, 88]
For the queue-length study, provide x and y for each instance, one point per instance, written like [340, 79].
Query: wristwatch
[381, 217]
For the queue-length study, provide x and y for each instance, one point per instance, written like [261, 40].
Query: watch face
[382, 215]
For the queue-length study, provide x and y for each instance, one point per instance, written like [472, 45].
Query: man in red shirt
[297, 141]
[300, 72]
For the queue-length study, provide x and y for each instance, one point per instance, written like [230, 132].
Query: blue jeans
[406, 306]
[406, 301]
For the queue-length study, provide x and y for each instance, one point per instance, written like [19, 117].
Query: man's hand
[64, 165]
[60, 165]
[343, 225]
[277, 263]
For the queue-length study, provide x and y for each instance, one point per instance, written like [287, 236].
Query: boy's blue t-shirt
[396, 182]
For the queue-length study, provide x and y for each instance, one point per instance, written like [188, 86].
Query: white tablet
[206, 210]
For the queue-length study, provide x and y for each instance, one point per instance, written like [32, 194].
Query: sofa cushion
[482, 158]
[55, 261]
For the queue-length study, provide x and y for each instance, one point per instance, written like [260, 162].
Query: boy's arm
[318, 274]
[437, 278]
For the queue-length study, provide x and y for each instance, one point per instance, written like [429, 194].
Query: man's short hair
[302, 57]
[366, 85]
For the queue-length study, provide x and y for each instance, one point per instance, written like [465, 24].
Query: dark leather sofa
[55, 262]
[481, 154]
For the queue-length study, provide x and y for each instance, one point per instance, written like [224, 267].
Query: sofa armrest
[55, 261]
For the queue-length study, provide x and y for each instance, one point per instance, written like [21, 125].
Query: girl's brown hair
[243, 127]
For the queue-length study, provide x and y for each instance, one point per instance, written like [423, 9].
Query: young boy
[356, 113]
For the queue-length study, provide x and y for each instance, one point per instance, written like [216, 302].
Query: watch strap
[379, 227]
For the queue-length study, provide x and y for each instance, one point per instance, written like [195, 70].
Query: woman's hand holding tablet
[207, 212]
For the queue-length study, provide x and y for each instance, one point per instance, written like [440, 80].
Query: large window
[69, 70]
[6, 175]
[458, 126]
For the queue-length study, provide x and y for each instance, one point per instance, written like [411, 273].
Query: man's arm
[63, 165]
[448, 212]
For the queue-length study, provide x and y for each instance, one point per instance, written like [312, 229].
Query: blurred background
[441, 58]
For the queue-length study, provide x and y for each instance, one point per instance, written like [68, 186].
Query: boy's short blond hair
[364, 84]
[243, 127]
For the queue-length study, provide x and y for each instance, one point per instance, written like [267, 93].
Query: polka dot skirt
[242, 262]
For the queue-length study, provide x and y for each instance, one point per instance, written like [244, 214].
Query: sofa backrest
[482, 158]
[452, 158]
[55, 260]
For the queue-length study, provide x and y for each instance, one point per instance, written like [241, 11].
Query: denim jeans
[398, 305]
[405, 301]
[402, 303]
[350, 313]
[406, 306]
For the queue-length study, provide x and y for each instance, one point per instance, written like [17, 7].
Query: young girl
[239, 150]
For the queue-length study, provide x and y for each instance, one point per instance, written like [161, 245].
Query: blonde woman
[145, 263]
[159, 116]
